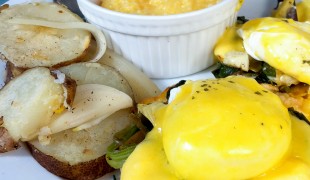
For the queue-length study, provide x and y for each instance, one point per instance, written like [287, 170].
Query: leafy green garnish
[268, 70]
[262, 78]
[242, 20]
[119, 151]
[265, 72]
[126, 133]
[224, 71]
[116, 157]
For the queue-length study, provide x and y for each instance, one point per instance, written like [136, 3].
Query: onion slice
[98, 35]
[92, 104]
[142, 86]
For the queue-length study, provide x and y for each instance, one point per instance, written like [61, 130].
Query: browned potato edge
[82, 171]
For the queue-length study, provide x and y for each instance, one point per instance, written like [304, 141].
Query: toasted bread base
[83, 171]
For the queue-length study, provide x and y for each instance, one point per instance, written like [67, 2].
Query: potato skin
[7, 143]
[83, 171]
[70, 85]
[12, 71]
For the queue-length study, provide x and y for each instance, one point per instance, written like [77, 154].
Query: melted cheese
[283, 44]
[216, 129]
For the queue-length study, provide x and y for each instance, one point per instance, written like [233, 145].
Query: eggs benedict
[230, 128]
[273, 51]
[282, 43]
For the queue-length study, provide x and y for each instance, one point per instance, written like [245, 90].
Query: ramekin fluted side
[164, 47]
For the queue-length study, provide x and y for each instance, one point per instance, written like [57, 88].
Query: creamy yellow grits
[156, 7]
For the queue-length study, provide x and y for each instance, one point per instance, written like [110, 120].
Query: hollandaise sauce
[282, 43]
[303, 10]
[229, 128]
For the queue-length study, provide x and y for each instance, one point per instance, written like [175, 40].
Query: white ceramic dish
[19, 164]
[163, 46]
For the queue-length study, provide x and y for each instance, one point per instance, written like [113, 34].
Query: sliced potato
[92, 169]
[30, 46]
[81, 146]
[28, 102]
[81, 154]
[95, 73]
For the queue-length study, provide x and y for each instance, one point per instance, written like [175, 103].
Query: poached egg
[282, 43]
[228, 128]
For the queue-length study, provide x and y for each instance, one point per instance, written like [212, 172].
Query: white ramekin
[163, 46]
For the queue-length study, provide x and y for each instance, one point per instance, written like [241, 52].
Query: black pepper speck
[258, 93]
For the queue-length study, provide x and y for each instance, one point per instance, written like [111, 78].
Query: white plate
[19, 164]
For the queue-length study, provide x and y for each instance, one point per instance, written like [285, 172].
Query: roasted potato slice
[81, 154]
[95, 73]
[28, 46]
[28, 102]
